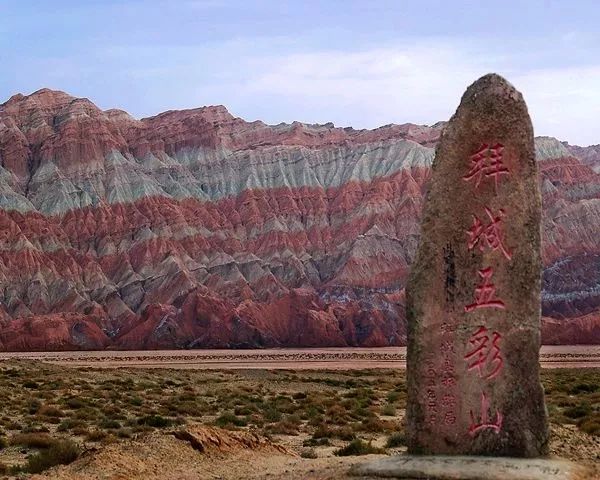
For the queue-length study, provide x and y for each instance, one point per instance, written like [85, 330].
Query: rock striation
[195, 228]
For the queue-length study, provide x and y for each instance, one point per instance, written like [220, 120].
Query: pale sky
[355, 63]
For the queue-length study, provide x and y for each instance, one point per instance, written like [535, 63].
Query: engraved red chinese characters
[485, 353]
[484, 293]
[473, 294]
[489, 234]
[483, 422]
[487, 162]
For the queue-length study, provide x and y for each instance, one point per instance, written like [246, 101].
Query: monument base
[471, 468]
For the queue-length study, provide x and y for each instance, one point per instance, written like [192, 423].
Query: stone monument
[473, 296]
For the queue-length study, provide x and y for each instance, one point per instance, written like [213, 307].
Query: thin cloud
[422, 84]
[564, 101]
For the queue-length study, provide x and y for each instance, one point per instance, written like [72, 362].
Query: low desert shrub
[584, 388]
[284, 427]
[75, 403]
[229, 419]
[308, 453]
[358, 447]
[578, 411]
[60, 452]
[95, 436]
[110, 424]
[316, 442]
[395, 440]
[50, 411]
[70, 424]
[590, 424]
[388, 410]
[155, 421]
[32, 440]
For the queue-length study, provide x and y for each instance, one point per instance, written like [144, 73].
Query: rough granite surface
[473, 295]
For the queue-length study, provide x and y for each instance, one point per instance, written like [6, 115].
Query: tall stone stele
[473, 296]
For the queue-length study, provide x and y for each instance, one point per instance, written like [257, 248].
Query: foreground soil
[232, 424]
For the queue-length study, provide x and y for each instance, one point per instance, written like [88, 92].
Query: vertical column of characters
[448, 388]
[431, 400]
[483, 354]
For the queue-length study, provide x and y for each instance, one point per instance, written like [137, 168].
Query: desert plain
[218, 414]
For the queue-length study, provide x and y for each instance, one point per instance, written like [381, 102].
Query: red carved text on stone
[485, 353]
[487, 162]
[449, 418]
[489, 234]
[449, 382]
[448, 401]
[484, 422]
[484, 293]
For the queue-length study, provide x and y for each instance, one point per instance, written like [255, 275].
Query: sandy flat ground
[572, 356]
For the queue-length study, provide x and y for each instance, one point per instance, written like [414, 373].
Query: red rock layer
[197, 229]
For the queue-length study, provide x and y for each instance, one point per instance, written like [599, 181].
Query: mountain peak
[44, 96]
[261, 235]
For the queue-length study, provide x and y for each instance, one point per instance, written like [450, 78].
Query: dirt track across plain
[572, 356]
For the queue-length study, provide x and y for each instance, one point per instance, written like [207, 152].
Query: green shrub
[393, 396]
[244, 410]
[124, 433]
[70, 424]
[60, 452]
[397, 439]
[358, 447]
[271, 414]
[388, 410]
[583, 388]
[578, 411]
[229, 419]
[110, 424]
[316, 442]
[155, 421]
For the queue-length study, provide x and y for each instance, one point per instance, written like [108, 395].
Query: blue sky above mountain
[354, 63]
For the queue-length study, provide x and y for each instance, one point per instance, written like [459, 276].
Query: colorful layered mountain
[196, 229]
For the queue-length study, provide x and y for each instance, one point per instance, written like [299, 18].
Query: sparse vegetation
[308, 453]
[348, 412]
[573, 396]
[60, 452]
[396, 440]
[358, 447]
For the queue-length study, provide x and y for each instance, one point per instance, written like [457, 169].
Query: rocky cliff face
[197, 229]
